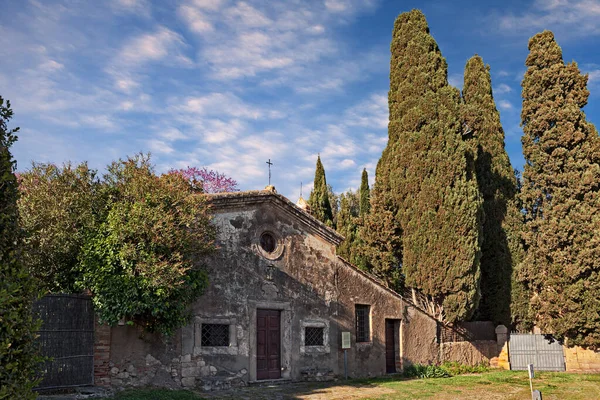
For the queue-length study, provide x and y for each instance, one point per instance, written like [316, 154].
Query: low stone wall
[578, 359]
[469, 353]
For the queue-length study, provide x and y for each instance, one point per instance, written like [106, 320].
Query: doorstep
[270, 382]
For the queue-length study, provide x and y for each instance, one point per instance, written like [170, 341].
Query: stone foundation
[317, 375]
[186, 371]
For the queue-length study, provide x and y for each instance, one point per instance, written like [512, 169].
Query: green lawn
[156, 394]
[495, 385]
[504, 385]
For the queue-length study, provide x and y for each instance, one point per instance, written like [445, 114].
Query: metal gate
[545, 354]
[66, 337]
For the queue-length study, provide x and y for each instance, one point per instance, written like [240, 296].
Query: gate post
[502, 343]
[102, 340]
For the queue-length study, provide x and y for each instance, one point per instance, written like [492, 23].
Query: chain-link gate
[66, 337]
[545, 354]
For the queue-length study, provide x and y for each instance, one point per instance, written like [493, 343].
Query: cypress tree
[561, 196]
[347, 225]
[365, 205]
[424, 189]
[18, 358]
[319, 197]
[500, 249]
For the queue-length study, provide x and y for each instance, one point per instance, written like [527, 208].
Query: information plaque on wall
[345, 340]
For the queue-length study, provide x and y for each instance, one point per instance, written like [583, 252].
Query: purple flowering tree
[207, 180]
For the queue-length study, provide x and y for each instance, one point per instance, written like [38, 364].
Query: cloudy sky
[229, 84]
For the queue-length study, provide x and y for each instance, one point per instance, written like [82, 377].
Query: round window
[267, 242]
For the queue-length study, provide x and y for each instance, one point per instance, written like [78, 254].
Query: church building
[280, 306]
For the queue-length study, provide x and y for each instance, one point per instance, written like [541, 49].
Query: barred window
[215, 335]
[363, 329]
[313, 336]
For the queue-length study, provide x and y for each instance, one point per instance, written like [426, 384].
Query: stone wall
[469, 353]
[102, 341]
[578, 359]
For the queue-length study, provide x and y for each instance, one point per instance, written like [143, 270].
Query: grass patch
[156, 394]
[493, 385]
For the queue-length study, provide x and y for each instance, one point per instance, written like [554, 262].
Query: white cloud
[162, 45]
[160, 146]
[51, 66]
[347, 163]
[195, 19]
[371, 113]
[222, 104]
[283, 44]
[138, 7]
[153, 46]
[502, 88]
[505, 105]
[172, 134]
[593, 71]
[570, 18]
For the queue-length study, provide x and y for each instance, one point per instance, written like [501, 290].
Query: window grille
[313, 336]
[363, 331]
[215, 335]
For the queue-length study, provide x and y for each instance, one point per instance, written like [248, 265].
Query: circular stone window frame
[279, 246]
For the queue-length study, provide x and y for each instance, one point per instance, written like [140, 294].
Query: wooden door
[268, 344]
[390, 346]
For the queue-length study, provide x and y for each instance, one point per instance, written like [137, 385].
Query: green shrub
[456, 368]
[425, 371]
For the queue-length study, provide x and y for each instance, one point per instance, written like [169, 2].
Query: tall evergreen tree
[18, 358]
[318, 201]
[424, 189]
[561, 196]
[348, 226]
[498, 186]
[365, 205]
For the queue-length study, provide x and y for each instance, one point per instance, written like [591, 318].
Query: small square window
[363, 325]
[313, 336]
[215, 335]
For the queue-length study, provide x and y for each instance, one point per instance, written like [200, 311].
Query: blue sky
[229, 84]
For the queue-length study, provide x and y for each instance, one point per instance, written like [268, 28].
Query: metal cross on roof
[270, 163]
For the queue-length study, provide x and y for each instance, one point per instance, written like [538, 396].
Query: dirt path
[303, 391]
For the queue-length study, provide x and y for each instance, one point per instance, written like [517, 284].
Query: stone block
[188, 382]
[189, 371]
[151, 360]
[186, 358]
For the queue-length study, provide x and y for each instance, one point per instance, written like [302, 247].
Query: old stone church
[277, 306]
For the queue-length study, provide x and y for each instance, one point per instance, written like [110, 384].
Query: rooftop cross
[270, 163]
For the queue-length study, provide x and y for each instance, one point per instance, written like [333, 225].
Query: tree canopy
[134, 238]
[425, 188]
[498, 186]
[319, 202]
[18, 349]
[561, 196]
